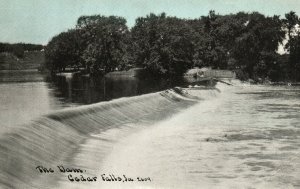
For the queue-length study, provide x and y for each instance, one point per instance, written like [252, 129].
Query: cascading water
[60, 137]
[238, 136]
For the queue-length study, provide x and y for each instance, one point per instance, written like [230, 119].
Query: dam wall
[52, 139]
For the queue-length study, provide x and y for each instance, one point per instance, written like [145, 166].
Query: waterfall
[52, 139]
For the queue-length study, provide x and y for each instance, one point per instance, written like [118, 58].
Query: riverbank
[284, 83]
[30, 60]
[27, 75]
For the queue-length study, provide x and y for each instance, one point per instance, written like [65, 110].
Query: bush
[241, 75]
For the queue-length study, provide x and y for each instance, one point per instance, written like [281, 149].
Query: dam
[52, 138]
[228, 136]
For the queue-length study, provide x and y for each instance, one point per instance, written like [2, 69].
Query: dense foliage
[98, 44]
[291, 23]
[19, 48]
[164, 45]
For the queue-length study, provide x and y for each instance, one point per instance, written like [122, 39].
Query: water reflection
[21, 76]
[27, 94]
[87, 90]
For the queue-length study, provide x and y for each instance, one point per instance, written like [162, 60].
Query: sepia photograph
[140, 94]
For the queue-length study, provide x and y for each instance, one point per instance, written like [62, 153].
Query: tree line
[167, 46]
[18, 49]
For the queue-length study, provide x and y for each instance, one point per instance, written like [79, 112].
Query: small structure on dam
[206, 73]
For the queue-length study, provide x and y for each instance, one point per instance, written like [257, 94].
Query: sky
[37, 21]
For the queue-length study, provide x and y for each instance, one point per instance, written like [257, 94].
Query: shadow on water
[87, 90]
[9, 76]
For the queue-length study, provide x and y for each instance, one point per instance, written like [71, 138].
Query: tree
[63, 51]
[257, 43]
[294, 59]
[293, 45]
[163, 45]
[97, 44]
[18, 48]
[103, 43]
[168, 46]
[290, 21]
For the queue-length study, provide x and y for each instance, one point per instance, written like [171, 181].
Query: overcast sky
[37, 21]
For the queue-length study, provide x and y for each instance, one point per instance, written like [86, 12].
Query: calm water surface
[26, 95]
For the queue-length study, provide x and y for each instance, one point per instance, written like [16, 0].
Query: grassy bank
[31, 60]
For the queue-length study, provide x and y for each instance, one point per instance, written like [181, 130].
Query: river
[241, 136]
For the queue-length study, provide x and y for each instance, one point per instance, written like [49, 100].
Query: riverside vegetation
[21, 56]
[167, 46]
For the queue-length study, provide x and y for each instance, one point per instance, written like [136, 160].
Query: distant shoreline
[20, 76]
[285, 83]
[23, 70]
[117, 74]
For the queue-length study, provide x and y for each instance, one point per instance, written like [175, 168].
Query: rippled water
[244, 138]
[233, 137]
